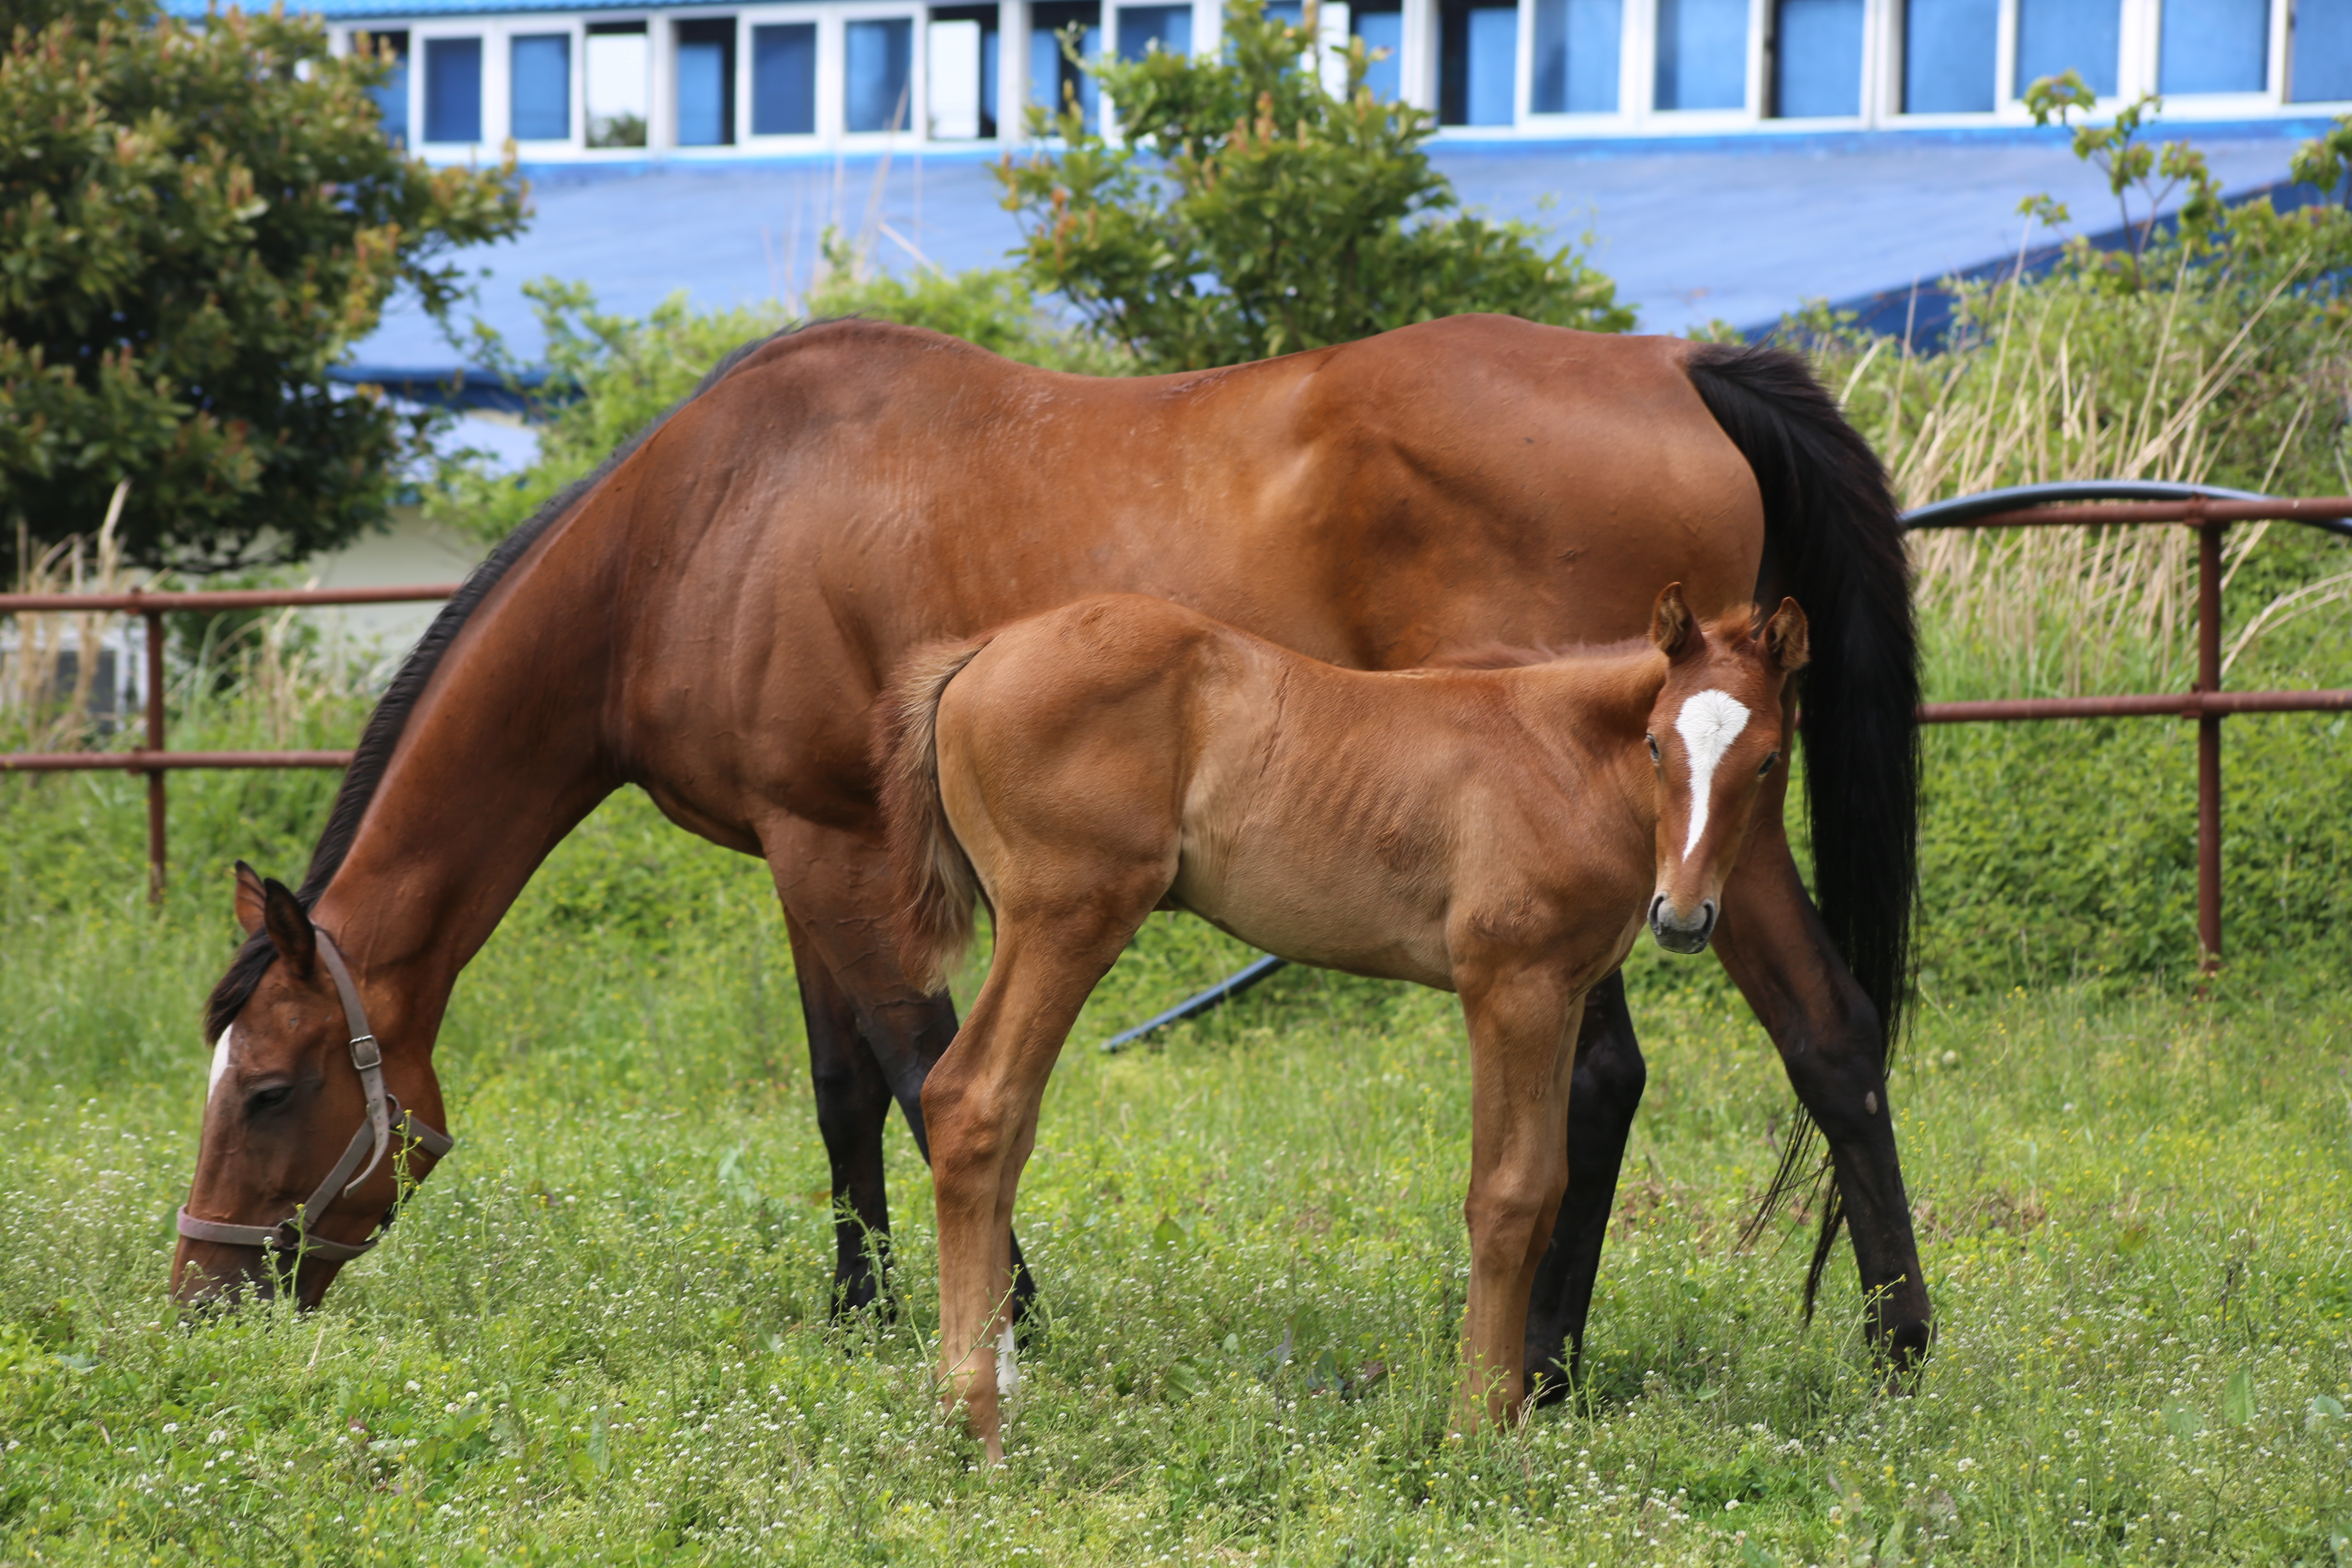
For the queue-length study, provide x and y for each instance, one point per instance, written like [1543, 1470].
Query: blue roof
[1736, 228]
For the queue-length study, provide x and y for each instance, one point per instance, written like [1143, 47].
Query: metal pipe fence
[2208, 511]
[153, 758]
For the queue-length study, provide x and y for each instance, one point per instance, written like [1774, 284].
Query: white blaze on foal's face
[1708, 723]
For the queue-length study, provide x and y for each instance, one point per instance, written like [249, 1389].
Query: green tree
[1252, 211]
[606, 376]
[196, 220]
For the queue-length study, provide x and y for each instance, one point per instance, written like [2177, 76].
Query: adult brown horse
[712, 615]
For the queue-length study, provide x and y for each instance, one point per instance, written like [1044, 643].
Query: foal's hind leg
[982, 1103]
[1609, 1078]
[872, 1036]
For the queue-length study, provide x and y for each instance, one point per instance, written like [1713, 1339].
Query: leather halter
[384, 1119]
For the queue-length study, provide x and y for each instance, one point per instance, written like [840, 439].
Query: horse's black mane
[391, 715]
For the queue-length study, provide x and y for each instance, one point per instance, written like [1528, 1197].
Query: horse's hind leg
[1773, 943]
[1609, 1078]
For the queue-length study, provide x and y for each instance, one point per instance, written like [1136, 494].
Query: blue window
[2215, 46]
[1577, 44]
[1380, 30]
[1169, 27]
[878, 60]
[1053, 79]
[1291, 13]
[542, 87]
[1477, 63]
[1702, 54]
[783, 79]
[706, 83]
[392, 98]
[2323, 51]
[453, 90]
[1948, 56]
[1817, 58]
[2081, 36]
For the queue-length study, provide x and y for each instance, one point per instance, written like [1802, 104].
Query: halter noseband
[384, 1117]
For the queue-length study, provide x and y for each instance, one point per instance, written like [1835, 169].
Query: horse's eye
[268, 1099]
[1653, 740]
[1767, 764]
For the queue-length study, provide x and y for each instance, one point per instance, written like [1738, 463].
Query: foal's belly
[1296, 909]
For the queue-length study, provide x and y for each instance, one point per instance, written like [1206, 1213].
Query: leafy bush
[198, 220]
[1252, 211]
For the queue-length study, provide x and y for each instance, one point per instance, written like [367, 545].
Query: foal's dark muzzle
[1677, 932]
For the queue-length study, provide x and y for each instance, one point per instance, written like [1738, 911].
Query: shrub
[1252, 211]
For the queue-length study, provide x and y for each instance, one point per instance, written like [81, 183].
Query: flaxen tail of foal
[937, 887]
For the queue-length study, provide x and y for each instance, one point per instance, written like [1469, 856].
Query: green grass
[599, 1334]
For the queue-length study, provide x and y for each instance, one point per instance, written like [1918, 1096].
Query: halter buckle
[366, 1055]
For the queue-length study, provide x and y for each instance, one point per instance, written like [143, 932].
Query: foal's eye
[268, 1099]
[1767, 764]
[1653, 740]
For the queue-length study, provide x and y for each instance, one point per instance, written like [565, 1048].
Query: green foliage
[610, 376]
[197, 220]
[1252, 211]
[2055, 852]
[2130, 167]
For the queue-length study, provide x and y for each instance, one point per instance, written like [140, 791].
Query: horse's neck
[502, 754]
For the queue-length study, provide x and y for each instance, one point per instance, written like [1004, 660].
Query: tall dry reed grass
[33, 701]
[2218, 378]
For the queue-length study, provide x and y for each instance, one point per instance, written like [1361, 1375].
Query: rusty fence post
[2209, 742]
[155, 842]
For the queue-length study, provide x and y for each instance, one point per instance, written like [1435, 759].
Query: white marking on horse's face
[1708, 723]
[220, 1062]
[1008, 1364]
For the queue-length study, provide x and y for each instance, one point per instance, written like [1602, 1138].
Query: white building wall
[1422, 75]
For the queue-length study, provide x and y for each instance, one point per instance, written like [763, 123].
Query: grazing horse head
[1716, 730]
[305, 1148]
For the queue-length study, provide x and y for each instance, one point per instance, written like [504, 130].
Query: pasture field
[600, 1334]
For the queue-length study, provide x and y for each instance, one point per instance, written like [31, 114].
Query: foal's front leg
[1521, 1014]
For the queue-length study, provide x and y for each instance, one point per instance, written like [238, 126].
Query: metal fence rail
[154, 759]
[2096, 504]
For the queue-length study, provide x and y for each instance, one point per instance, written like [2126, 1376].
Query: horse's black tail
[1835, 540]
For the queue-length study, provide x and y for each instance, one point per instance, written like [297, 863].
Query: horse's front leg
[1831, 1039]
[1521, 1017]
[853, 1099]
[873, 1038]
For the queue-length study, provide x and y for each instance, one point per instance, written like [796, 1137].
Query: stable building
[569, 83]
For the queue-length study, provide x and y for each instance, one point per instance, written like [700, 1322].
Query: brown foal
[1501, 834]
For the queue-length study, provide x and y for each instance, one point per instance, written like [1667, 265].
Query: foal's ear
[288, 924]
[1787, 639]
[250, 900]
[1672, 625]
